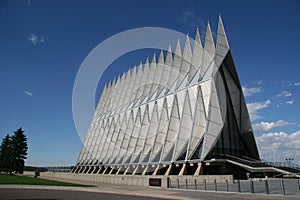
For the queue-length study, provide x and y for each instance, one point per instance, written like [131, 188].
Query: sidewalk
[152, 192]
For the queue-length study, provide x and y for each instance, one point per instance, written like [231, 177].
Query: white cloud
[28, 93]
[29, 2]
[284, 94]
[268, 126]
[254, 107]
[35, 39]
[291, 102]
[297, 84]
[279, 145]
[250, 91]
[190, 19]
[259, 82]
[187, 14]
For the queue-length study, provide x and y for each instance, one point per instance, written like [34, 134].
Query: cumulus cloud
[254, 107]
[291, 102]
[250, 91]
[35, 39]
[279, 145]
[297, 84]
[28, 93]
[284, 94]
[268, 126]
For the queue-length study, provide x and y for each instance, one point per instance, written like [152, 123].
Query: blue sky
[43, 43]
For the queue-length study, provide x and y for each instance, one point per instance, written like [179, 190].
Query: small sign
[155, 182]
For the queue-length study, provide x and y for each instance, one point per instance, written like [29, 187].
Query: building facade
[172, 116]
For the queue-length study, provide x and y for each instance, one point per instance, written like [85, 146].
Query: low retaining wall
[113, 179]
[210, 179]
[138, 180]
[28, 173]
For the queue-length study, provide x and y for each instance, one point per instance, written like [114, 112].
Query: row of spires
[209, 46]
[115, 99]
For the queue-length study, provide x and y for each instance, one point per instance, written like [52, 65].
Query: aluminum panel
[172, 131]
[184, 132]
[161, 132]
[151, 134]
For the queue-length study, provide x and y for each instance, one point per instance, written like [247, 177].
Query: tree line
[13, 152]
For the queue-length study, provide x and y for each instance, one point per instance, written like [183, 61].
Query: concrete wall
[137, 180]
[210, 179]
[28, 173]
[105, 178]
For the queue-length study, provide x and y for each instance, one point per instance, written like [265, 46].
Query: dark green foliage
[13, 152]
[19, 144]
[6, 155]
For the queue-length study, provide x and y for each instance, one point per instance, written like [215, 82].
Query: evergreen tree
[19, 148]
[6, 155]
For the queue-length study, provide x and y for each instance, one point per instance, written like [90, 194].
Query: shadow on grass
[25, 180]
[34, 199]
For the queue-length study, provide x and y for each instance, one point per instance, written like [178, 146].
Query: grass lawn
[24, 180]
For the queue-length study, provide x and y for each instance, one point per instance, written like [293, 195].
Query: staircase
[290, 167]
[253, 165]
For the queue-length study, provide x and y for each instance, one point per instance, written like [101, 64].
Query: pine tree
[19, 147]
[6, 155]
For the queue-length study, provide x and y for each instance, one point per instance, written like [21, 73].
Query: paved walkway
[38, 194]
[147, 192]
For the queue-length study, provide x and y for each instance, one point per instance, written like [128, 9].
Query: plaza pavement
[110, 190]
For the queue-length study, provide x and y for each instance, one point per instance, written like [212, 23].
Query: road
[54, 193]
[38, 194]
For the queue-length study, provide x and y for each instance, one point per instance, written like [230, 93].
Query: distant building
[182, 114]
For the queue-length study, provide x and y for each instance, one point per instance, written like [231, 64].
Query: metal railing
[287, 166]
[266, 186]
[252, 163]
[59, 168]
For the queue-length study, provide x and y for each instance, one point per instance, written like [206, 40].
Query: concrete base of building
[139, 180]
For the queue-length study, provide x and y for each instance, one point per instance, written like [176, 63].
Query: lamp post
[289, 160]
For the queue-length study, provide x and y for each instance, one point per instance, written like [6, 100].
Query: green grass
[25, 180]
